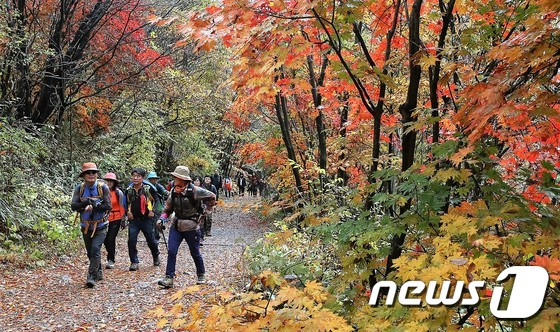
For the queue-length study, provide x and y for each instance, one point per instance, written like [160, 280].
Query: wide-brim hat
[110, 176]
[152, 175]
[182, 172]
[88, 167]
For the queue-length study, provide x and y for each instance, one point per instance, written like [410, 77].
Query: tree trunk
[283, 120]
[60, 66]
[406, 110]
[434, 71]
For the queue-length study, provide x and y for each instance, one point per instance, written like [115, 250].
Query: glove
[160, 224]
[94, 202]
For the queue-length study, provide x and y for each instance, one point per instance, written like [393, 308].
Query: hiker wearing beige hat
[185, 201]
[92, 201]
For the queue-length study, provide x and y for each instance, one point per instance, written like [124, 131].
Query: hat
[152, 175]
[110, 176]
[88, 167]
[182, 172]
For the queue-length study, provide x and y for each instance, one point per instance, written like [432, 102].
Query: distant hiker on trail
[227, 187]
[185, 201]
[117, 217]
[160, 197]
[217, 182]
[93, 201]
[241, 183]
[140, 198]
[207, 226]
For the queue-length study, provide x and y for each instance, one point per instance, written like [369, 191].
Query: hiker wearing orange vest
[117, 217]
[140, 213]
[93, 201]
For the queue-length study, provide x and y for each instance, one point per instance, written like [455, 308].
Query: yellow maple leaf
[162, 322]
[179, 294]
[177, 308]
[316, 291]
[178, 323]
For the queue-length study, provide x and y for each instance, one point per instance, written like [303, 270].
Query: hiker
[241, 183]
[93, 201]
[140, 200]
[197, 183]
[217, 182]
[207, 225]
[254, 185]
[159, 198]
[117, 217]
[184, 201]
[227, 187]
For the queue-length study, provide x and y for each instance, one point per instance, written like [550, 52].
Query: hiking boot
[157, 261]
[133, 267]
[90, 282]
[200, 280]
[201, 244]
[166, 282]
[110, 265]
[98, 276]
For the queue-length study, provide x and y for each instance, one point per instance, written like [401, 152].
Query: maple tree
[421, 137]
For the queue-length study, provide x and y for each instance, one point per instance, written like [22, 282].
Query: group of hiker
[185, 205]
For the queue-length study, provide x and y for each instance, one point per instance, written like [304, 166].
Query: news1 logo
[526, 298]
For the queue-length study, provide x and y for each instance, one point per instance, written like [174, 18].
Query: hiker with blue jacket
[185, 202]
[92, 200]
[159, 199]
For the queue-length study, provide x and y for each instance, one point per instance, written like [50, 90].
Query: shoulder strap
[82, 188]
[100, 189]
[190, 194]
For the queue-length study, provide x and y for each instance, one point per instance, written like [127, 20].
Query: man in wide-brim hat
[184, 201]
[92, 200]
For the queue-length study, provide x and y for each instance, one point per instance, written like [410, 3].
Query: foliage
[34, 214]
[438, 119]
[271, 304]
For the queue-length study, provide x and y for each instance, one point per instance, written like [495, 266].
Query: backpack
[99, 190]
[100, 196]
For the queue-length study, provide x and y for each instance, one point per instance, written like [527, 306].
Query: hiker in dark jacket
[241, 184]
[117, 217]
[207, 226]
[93, 201]
[161, 196]
[184, 201]
[140, 198]
[217, 182]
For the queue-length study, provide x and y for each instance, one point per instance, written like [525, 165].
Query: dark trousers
[193, 241]
[111, 239]
[147, 228]
[93, 248]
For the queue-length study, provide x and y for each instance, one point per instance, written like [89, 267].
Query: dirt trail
[54, 298]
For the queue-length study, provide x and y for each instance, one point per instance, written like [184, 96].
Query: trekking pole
[164, 239]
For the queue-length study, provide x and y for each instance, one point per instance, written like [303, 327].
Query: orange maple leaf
[552, 265]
